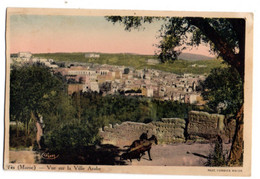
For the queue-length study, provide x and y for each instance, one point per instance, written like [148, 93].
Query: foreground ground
[25, 157]
[178, 155]
[162, 155]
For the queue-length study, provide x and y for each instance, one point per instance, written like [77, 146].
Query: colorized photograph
[131, 90]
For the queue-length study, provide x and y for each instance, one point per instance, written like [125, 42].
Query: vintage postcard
[113, 91]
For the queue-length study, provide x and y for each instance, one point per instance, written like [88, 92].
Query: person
[144, 136]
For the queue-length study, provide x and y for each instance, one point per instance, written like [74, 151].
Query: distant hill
[194, 57]
[188, 63]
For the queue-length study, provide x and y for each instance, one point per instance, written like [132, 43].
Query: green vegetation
[223, 89]
[226, 38]
[217, 156]
[69, 137]
[72, 122]
[111, 109]
[138, 62]
[32, 90]
[18, 138]
[34, 94]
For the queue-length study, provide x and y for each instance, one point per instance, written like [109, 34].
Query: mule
[141, 146]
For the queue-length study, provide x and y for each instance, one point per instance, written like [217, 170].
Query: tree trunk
[38, 126]
[237, 61]
[237, 148]
[39, 133]
[27, 128]
[35, 119]
[17, 127]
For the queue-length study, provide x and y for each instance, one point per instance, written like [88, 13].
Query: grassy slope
[138, 62]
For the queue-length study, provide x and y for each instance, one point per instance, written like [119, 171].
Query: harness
[144, 144]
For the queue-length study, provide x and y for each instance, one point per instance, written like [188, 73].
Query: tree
[226, 37]
[31, 91]
[105, 87]
[223, 89]
[126, 70]
[59, 110]
[69, 138]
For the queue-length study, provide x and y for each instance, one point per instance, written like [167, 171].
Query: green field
[138, 62]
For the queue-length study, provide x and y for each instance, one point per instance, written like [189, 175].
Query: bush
[71, 137]
[217, 156]
[20, 140]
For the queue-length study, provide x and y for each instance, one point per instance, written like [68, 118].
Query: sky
[53, 33]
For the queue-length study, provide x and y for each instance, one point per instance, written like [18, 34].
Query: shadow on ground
[105, 154]
[200, 155]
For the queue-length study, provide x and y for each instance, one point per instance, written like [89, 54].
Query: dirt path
[177, 155]
[27, 157]
[162, 155]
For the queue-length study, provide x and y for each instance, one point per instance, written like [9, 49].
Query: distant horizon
[80, 34]
[114, 53]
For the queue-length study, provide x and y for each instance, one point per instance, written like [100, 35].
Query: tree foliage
[223, 89]
[111, 109]
[71, 137]
[31, 91]
[226, 36]
[36, 92]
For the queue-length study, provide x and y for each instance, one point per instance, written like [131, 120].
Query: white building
[149, 92]
[193, 98]
[94, 86]
[50, 60]
[43, 60]
[103, 72]
[92, 55]
[47, 64]
[35, 60]
[54, 66]
[26, 55]
[82, 72]
[153, 61]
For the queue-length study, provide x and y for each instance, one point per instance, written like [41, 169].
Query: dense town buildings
[111, 79]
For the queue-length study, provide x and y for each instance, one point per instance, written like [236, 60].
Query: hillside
[194, 57]
[139, 62]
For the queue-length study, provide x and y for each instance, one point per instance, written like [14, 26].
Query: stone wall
[169, 130]
[200, 127]
[125, 133]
